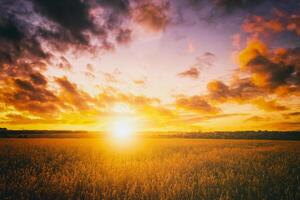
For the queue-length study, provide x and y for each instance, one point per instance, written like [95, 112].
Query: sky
[161, 65]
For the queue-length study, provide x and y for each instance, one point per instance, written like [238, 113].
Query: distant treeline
[47, 134]
[260, 135]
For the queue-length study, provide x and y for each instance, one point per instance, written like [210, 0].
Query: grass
[149, 169]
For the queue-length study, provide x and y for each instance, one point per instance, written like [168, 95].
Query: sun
[122, 129]
[123, 123]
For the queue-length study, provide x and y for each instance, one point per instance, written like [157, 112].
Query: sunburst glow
[122, 129]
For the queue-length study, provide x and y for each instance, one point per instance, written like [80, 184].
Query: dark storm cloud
[34, 33]
[273, 74]
[25, 26]
[24, 85]
[227, 7]
[217, 11]
[27, 90]
[33, 29]
[119, 5]
[71, 15]
[15, 44]
[38, 78]
[9, 31]
[214, 9]
[272, 70]
[230, 6]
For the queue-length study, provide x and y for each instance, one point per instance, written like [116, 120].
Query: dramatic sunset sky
[167, 65]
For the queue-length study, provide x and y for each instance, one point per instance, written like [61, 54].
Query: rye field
[161, 168]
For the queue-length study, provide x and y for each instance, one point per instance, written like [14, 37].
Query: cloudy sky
[166, 65]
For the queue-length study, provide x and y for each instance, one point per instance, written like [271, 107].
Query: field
[158, 168]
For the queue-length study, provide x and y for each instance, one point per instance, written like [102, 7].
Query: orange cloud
[271, 69]
[280, 21]
[256, 118]
[140, 82]
[254, 48]
[196, 104]
[259, 25]
[268, 105]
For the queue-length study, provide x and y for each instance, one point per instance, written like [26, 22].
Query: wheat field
[149, 169]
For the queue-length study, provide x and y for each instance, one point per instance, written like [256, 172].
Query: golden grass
[149, 169]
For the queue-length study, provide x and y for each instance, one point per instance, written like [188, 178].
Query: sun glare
[122, 129]
[122, 124]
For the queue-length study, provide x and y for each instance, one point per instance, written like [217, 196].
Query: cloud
[236, 40]
[271, 70]
[266, 105]
[124, 36]
[256, 118]
[196, 118]
[192, 73]
[190, 47]
[63, 14]
[73, 96]
[259, 25]
[38, 78]
[153, 17]
[39, 27]
[242, 92]
[36, 102]
[35, 35]
[114, 96]
[90, 72]
[31, 95]
[265, 74]
[283, 126]
[205, 60]
[279, 21]
[212, 10]
[64, 64]
[294, 23]
[196, 104]
[292, 115]
[141, 82]
[239, 91]
[112, 77]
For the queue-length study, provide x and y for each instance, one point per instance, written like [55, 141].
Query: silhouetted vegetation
[261, 135]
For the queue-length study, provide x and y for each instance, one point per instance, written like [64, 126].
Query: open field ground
[149, 169]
